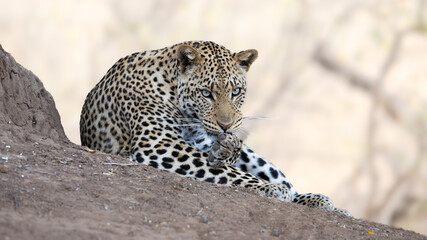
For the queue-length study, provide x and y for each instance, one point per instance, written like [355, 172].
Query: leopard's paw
[343, 212]
[278, 191]
[315, 201]
[319, 201]
[225, 150]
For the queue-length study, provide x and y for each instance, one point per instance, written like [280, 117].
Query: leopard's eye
[206, 93]
[236, 92]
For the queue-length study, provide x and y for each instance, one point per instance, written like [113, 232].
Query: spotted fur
[179, 109]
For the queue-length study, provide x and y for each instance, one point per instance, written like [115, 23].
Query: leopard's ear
[244, 59]
[188, 59]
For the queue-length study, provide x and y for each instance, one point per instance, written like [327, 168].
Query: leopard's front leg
[224, 154]
[182, 158]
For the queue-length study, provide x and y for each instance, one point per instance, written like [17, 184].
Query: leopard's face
[218, 99]
[212, 86]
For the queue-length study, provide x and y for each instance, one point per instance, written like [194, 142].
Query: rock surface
[53, 189]
[24, 102]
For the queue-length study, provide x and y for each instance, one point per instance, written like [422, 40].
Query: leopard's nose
[225, 126]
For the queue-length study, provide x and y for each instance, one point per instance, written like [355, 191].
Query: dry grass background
[343, 83]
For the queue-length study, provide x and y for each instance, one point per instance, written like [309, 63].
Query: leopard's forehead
[218, 64]
[211, 49]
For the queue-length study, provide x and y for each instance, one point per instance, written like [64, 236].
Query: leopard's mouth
[211, 128]
[216, 131]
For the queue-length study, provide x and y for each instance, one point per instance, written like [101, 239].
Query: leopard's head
[212, 84]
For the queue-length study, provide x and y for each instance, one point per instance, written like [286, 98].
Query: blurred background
[343, 84]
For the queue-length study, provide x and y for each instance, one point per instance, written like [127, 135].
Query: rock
[53, 189]
[24, 102]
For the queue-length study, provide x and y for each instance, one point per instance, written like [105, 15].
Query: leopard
[179, 109]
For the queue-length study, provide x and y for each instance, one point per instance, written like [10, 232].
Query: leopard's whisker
[185, 125]
[242, 133]
[192, 119]
[189, 120]
[247, 119]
